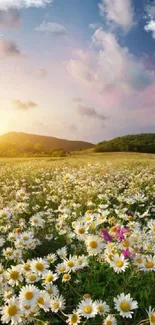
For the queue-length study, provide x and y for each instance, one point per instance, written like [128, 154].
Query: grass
[88, 156]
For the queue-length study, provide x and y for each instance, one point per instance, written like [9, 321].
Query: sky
[77, 69]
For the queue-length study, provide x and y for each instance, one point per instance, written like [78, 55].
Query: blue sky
[77, 69]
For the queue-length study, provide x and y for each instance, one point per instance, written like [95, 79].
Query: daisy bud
[86, 296]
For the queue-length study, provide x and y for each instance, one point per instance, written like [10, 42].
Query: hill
[13, 143]
[144, 142]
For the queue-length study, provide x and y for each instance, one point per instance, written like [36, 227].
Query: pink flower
[120, 232]
[128, 254]
[105, 235]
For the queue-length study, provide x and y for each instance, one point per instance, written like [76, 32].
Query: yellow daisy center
[108, 322]
[29, 295]
[119, 263]
[125, 243]
[73, 319]
[125, 306]
[88, 309]
[50, 291]
[93, 244]
[81, 231]
[27, 267]
[70, 264]
[25, 238]
[35, 220]
[14, 275]
[86, 296]
[149, 265]
[100, 309]
[55, 305]
[41, 300]
[62, 269]
[12, 310]
[39, 267]
[139, 261]
[32, 277]
[27, 307]
[66, 277]
[49, 278]
[152, 318]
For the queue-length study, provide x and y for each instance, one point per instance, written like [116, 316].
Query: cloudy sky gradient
[77, 69]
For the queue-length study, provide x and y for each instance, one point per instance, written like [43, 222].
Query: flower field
[77, 243]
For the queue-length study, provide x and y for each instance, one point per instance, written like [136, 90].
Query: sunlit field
[77, 239]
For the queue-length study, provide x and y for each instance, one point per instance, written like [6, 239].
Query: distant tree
[58, 152]
[144, 142]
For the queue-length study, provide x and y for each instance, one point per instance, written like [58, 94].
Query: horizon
[81, 71]
[73, 140]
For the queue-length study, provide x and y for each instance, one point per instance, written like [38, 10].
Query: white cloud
[119, 12]
[150, 27]
[51, 28]
[18, 4]
[109, 66]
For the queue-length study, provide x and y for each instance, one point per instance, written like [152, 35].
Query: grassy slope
[19, 139]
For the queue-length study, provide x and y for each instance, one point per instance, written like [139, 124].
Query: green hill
[144, 142]
[14, 143]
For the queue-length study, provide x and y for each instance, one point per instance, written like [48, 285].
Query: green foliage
[28, 149]
[58, 153]
[144, 142]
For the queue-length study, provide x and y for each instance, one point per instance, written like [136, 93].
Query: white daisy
[94, 244]
[39, 266]
[87, 308]
[37, 221]
[102, 307]
[71, 264]
[28, 295]
[50, 277]
[57, 303]
[119, 263]
[43, 300]
[125, 304]
[62, 252]
[151, 314]
[110, 320]
[14, 276]
[52, 289]
[74, 318]
[11, 312]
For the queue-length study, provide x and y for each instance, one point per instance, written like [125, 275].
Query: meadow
[77, 239]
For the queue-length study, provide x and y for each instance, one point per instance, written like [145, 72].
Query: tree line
[29, 149]
[144, 142]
